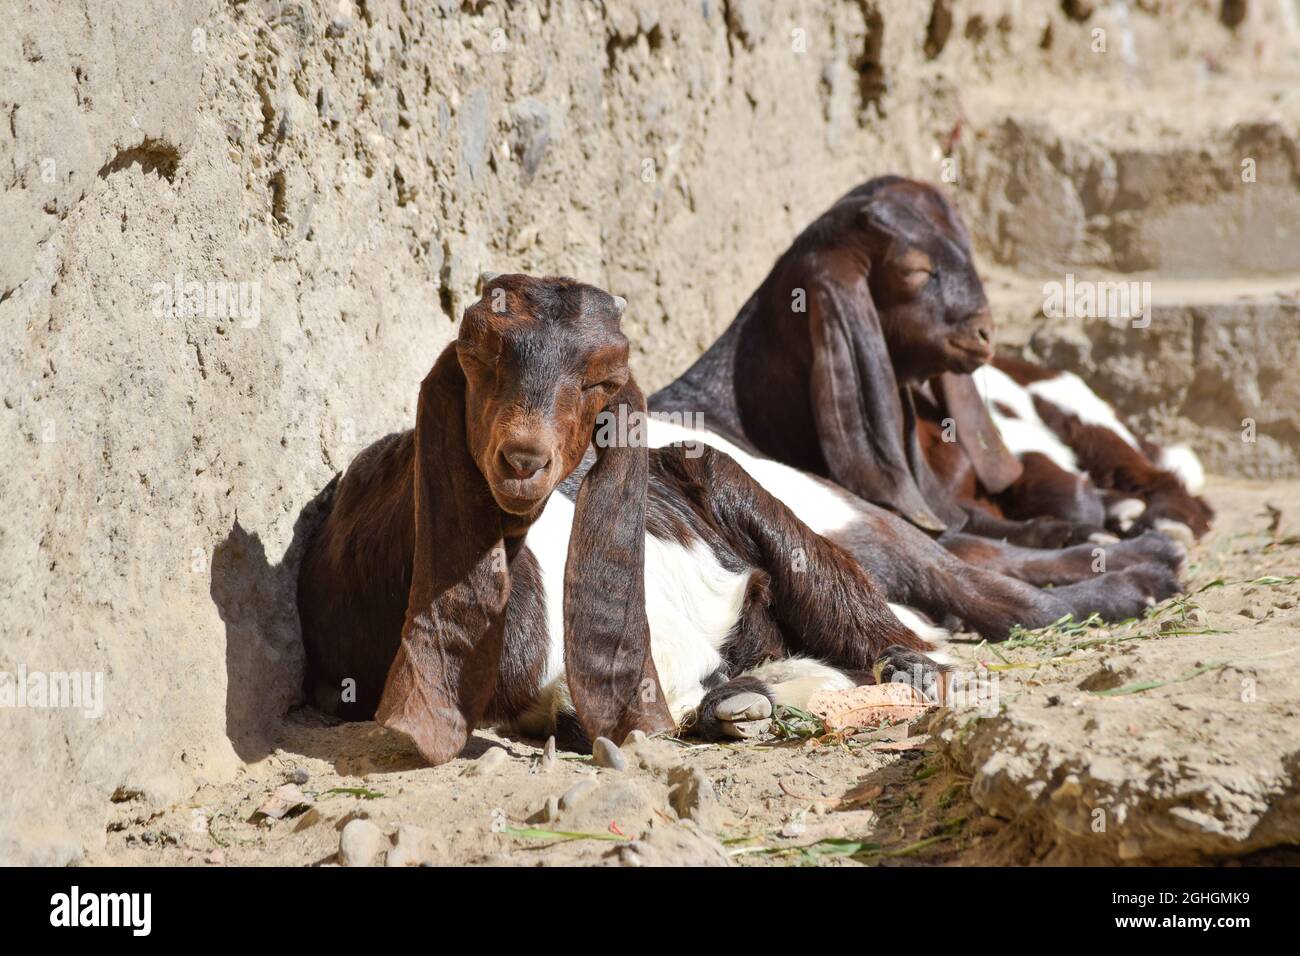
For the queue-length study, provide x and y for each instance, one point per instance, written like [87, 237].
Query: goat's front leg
[1041, 531]
[1042, 567]
[824, 602]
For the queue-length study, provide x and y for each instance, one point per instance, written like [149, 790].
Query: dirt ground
[1171, 739]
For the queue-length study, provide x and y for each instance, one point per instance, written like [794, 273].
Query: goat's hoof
[902, 665]
[744, 715]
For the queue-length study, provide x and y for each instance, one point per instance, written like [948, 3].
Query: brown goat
[875, 303]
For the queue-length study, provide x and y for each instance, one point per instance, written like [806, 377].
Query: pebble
[547, 762]
[297, 775]
[360, 843]
[411, 846]
[492, 760]
[605, 754]
[550, 811]
[693, 797]
[573, 796]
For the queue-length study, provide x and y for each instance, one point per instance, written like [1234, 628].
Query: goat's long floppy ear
[995, 465]
[855, 399]
[446, 666]
[612, 678]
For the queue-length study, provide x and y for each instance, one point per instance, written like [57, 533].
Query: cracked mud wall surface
[333, 176]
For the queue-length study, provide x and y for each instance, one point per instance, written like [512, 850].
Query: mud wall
[237, 234]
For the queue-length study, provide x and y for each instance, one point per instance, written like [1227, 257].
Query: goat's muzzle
[972, 344]
[522, 473]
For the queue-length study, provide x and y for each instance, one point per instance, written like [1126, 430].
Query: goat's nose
[981, 323]
[524, 461]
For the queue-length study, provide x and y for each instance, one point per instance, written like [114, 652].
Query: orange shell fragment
[868, 706]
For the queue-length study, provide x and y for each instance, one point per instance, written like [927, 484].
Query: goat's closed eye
[917, 279]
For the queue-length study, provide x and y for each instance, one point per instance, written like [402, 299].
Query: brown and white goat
[449, 586]
[1065, 433]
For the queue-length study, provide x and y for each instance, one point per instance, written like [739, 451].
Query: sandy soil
[1172, 739]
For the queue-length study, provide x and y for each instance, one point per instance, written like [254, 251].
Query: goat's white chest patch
[816, 503]
[692, 604]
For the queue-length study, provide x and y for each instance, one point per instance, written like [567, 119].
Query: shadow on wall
[258, 603]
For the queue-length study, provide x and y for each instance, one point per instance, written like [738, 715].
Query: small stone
[647, 753]
[412, 846]
[149, 837]
[547, 762]
[287, 800]
[693, 798]
[549, 813]
[492, 760]
[605, 754]
[575, 794]
[172, 837]
[297, 776]
[360, 843]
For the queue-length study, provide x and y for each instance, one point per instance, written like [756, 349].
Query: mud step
[1086, 174]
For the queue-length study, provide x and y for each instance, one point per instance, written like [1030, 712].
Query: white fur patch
[793, 680]
[1069, 392]
[918, 624]
[1182, 461]
[1026, 431]
[692, 604]
[818, 504]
